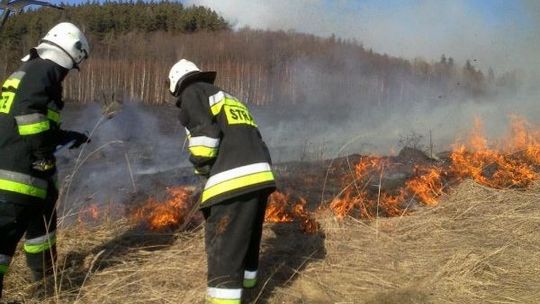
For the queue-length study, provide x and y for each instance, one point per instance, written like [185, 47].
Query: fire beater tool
[17, 6]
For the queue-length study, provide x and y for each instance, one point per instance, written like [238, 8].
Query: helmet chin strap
[75, 64]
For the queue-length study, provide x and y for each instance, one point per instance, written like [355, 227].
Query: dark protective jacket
[224, 143]
[30, 105]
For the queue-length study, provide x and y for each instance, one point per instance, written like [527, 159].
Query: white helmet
[65, 45]
[184, 70]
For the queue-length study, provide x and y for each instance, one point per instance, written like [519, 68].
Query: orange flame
[511, 166]
[90, 213]
[497, 169]
[428, 186]
[169, 214]
[357, 201]
[280, 209]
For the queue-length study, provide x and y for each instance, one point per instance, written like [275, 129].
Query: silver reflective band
[23, 179]
[5, 259]
[224, 293]
[18, 75]
[30, 119]
[237, 172]
[204, 141]
[42, 239]
[219, 96]
[250, 275]
[187, 132]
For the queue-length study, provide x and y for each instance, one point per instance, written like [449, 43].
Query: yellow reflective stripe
[217, 107]
[220, 99]
[222, 301]
[8, 96]
[6, 100]
[3, 269]
[38, 248]
[34, 128]
[21, 188]
[202, 151]
[53, 115]
[250, 283]
[237, 183]
[12, 82]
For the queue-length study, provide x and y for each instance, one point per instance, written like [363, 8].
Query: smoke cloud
[139, 150]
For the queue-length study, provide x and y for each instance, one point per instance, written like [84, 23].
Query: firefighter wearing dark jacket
[226, 147]
[30, 104]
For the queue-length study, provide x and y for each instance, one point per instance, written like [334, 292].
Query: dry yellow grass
[478, 246]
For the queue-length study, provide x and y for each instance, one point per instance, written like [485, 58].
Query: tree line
[135, 43]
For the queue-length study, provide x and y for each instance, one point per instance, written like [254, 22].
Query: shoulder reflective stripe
[53, 115]
[14, 80]
[22, 183]
[5, 259]
[224, 293]
[250, 274]
[216, 98]
[40, 244]
[23, 178]
[35, 128]
[217, 101]
[237, 172]
[187, 132]
[204, 141]
[11, 83]
[201, 151]
[30, 118]
[237, 183]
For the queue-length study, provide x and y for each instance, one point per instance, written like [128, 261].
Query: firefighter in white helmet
[30, 105]
[226, 147]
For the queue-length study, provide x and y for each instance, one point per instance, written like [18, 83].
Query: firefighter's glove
[44, 165]
[203, 171]
[75, 139]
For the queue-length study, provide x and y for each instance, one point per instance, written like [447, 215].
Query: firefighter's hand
[77, 138]
[44, 165]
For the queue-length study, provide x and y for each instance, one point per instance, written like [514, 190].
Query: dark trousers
[38, 221]
[233, 238]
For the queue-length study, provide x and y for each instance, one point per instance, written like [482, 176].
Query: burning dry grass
[176, 212]
[511, 163]
[480, 246]
[282, 209]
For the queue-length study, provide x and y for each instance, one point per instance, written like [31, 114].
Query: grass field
[479, 245]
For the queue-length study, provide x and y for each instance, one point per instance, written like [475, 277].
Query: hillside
[135, 44]
[478, 246]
